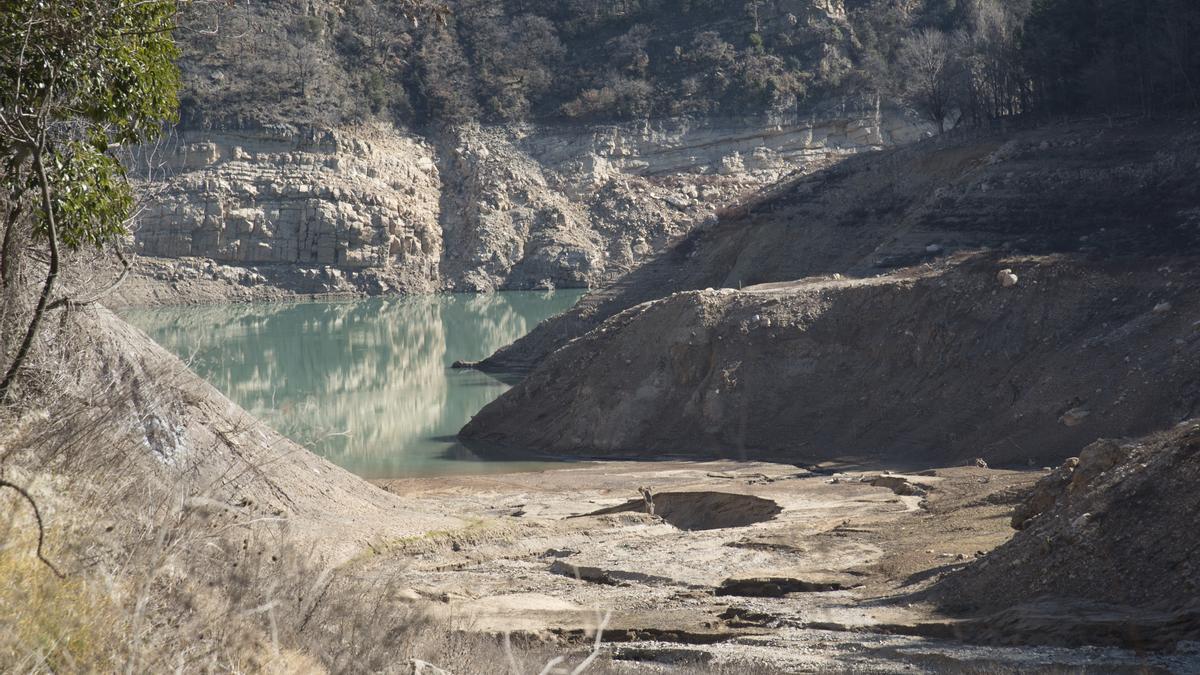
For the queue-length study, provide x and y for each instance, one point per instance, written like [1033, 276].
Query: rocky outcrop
[477, 208]
[281, 194]
[1120, 532]
[1074, 477]
[939, 364]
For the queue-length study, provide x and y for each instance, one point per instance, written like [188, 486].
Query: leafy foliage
[92, 199]
[81, 77]
[78, 80]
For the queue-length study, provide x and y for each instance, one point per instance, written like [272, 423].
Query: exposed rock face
[936, 365]
[476, 208]
[286, 195]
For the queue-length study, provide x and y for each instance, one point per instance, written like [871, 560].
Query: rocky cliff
[281, 194]
[474, 207]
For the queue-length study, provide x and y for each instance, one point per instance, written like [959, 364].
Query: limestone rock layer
[474, 208]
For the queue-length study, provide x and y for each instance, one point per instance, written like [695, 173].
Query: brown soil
[1110, 539]
[830, 580]
[939, 363]
[1101, 188]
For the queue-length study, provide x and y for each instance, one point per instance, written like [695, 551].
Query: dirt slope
[1097, 187]
[1115, 525]
[132, 431]
[938, 363]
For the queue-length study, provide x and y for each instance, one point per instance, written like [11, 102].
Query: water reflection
[367, 384]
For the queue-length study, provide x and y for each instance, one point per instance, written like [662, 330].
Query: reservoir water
[366, 384]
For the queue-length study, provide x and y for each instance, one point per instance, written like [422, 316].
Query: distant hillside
[332, 62]
[338, 62]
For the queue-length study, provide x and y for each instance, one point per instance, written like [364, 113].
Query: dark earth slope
[1100, 188]
[939, 363]
[1108, 544]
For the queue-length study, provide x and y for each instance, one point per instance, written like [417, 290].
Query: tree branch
[99, 295]
[37, 514]
[47, 287]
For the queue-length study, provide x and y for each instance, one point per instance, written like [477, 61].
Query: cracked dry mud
[764, 564]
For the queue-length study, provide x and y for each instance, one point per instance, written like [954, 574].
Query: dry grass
[189, 602]
[48, 624]
[165, 571]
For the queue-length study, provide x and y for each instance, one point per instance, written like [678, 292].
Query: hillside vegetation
[969, 61]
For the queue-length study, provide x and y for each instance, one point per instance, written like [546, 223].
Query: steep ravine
[375, 210]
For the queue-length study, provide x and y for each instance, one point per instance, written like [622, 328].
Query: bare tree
[752, 8]
[927, 72]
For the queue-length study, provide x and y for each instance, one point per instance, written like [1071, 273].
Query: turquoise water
[367, 384]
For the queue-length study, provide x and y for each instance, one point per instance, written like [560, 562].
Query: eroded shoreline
[743, 562]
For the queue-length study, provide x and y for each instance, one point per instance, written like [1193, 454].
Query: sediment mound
[939, 363]
[133, 432]
[1107, 189]
[1116, 526]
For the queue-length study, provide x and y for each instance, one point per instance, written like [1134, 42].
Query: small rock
[419, 667]
[1162, 308]
[1081, 521]
[581, 572]
[933, 249]
[679, 201]
[979, 462]
[1095, 460]
[1006, 278]
[1074, 417]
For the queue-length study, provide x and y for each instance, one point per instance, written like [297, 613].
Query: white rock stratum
[477, 208]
